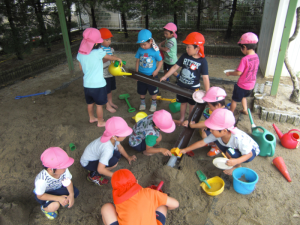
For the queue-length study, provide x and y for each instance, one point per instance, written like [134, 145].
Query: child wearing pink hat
[135, 204]
[169, 47]
[238, 146]
[53, 185]
[103, 154]
[146, 133]
[215, 98]
[90, 57]
[247, 71]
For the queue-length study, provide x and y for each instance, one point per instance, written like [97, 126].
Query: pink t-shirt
[248, 66]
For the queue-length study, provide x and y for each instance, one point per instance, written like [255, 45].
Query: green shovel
[202, 178]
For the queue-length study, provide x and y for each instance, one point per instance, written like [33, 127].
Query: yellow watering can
[117, 70]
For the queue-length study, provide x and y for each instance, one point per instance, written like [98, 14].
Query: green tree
[90, 6]
[230, 22]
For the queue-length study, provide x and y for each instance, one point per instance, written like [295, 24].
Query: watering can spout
[278, 132]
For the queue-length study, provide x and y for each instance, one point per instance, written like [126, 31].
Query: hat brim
[169, 130]
[105, 138]
[210, 124]
[67, 164]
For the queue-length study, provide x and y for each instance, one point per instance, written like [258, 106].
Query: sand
[30, 125]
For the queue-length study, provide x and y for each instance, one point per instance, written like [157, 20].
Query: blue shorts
[58, 192]
[240, 93]
[142, 88]
[182, 99]
[140, 147]
[235, 153]
[207, 131]
[159, 216]
[110, 84]
[167, 67]
[95, 95]
[93, 165]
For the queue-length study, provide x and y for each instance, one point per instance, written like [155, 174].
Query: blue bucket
[244, 187]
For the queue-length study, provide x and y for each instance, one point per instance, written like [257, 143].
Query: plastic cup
[72, 146]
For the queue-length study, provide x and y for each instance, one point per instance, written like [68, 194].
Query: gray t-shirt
[240, 141]
[97, 150]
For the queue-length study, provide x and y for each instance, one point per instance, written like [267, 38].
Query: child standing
[169, 47]
[103, 154]
[215, 98]
[135, 204]
[193, 65]
[146, 133]
[238, 146]
[53, 185]
[146, 56]
[90, 57]
[110, 79]
[247, 70]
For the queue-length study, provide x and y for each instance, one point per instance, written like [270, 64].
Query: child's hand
[163, 78]
[155, 73]
[131, 158]
[166, 152]
[192, 124]
[227, 74]
[120, 61]
[63, 200]
[231, 162]
[182, 151]
[185, 123]
[71, 200]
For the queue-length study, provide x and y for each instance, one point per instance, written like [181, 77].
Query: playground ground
[30, 125]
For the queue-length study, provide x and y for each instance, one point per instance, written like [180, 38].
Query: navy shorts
[141, 147]
[110, 84]
[240, 93]
[95, 95]
[58, 192]
[93, 165]
[235, 153]
[142, 88]
[167, 67]
[182, 99]
[159, 216]
[207, 131]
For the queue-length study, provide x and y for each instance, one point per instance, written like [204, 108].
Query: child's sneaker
[142, 107]
[99, 180]
[49, 215]
[213, 151]
[152, 108]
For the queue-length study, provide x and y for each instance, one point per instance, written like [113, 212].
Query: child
[103, 154]
[238, 146]
[90, 57]
[146, 56]
[193, 65]
[215, 98]
[135, 204]
[247, 71]
[110, 79]
[169, 47]
[146, 133]
[53, 185]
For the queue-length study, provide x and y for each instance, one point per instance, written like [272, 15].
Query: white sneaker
[142, 107]
[152, 108]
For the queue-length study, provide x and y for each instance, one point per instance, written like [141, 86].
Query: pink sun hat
[221, 119]
[115, 126]
[91, 36]
[163, 120]
[214, 94]
[248, 38]
[171, 27]
[56, 158]
[198, 96]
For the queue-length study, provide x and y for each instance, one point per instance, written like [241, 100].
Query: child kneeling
[53, 185]
[135, 204]
[103, 154]
[238, 146]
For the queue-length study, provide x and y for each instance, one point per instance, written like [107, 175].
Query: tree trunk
[230, 22]
[295, 96]
[199, 14]
[147, 21]
[93, 17]
[43, 31]
[16, 41]
[124, 24]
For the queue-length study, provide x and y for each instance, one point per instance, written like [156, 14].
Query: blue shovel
[47, 92]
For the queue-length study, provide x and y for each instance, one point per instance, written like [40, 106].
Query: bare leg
[154, 97]
[183, 107]
[190, 109]
[232, 106]
[90, 108]
[110, 168]
[229, 172]
[109, 214]
[162, 209]
[52, 207]
[109, 104]
[244, 104]
[99, 110]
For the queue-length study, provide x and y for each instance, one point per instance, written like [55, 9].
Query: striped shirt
[109, 51]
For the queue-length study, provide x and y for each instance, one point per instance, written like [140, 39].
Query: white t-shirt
[240, 141]
[45, 182]
[97, 150]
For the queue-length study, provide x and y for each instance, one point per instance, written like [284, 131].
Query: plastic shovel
[47, 92]
[202, 178]
[126, 96]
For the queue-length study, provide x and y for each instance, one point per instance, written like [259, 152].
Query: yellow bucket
[139, 116]
[217, 186]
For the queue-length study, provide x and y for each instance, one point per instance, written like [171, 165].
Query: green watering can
[264, 138]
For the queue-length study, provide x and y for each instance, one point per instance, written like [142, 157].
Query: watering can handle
[294, 130]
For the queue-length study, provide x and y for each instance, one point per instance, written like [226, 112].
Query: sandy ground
[30, 125]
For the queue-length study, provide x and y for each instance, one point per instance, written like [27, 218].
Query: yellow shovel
[165, 99]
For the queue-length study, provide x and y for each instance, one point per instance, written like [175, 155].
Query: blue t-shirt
[191, 71]
[148, 58]
[92, 67]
